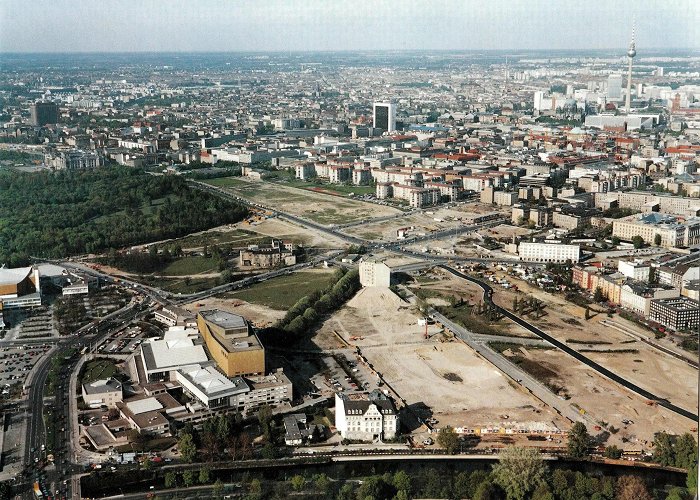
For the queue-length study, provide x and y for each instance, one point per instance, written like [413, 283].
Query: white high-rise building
[384, 116]
[538, 98]
[614, 87]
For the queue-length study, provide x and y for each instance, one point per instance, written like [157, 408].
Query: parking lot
[24, 324]
[15, 363]
[127, 339]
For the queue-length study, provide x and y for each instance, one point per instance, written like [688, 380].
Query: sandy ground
[420, 370]
[282, 229]
[256, 314]
[606, 401]
[323, 208]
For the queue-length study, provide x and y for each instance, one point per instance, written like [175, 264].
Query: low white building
[636, 269]
[208, 385]
[272, 389]
[375, 274]
[366, 416]
[549, 252]
[107, 392]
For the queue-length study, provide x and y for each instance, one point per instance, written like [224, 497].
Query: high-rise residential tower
[385, 116]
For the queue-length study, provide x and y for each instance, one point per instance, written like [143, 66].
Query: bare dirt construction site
[458, 386]
[607, 402]
[421, 223]
[318, 207]
[646, 366]
[600, 398]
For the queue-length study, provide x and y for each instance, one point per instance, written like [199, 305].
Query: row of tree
[520, 474]
[309, 309]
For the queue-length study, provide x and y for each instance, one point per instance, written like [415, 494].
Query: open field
[602, 399]
[438, 287]
[622, 353]
[458, 386]
[423, 222]
[190, 265]
[224, 235]
[283, 292]
[179, 285]
[318, 207]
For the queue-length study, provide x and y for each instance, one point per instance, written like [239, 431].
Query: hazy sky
[245, 25]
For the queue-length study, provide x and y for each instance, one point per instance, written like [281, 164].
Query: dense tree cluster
[54, 214]
[221, 437]
[675, 451]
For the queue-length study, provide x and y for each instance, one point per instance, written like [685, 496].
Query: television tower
[631, 52]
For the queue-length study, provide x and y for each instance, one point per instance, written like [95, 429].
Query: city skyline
[318, 25]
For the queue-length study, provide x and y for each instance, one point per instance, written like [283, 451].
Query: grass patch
[283, 292]
[190, 265]
[98, 369]
[179, 285]
[538, 370]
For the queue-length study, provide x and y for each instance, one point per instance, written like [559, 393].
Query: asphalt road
[35, 437]
[488, 291]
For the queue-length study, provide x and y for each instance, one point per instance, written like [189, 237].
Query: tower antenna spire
[631, 52]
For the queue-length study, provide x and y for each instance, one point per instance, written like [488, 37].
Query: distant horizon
[155, 26]
[623, 51]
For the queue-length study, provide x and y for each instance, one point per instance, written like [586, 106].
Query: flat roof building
[211, 387]
[680, 313]
[232, 343]
[107, 392]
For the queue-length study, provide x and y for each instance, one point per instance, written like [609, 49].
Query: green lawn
[283, 292]
[190, 265]
[98, 370]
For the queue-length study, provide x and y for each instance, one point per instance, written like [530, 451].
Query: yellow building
[232, 343]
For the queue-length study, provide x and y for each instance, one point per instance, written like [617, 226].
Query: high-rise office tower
[385, 116]
[43, 113]
[631, 52]
[614, 87]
